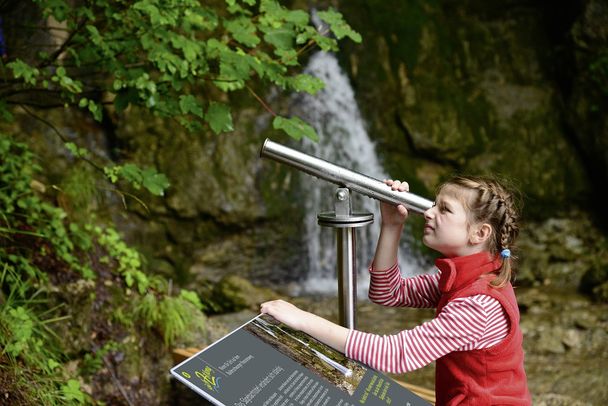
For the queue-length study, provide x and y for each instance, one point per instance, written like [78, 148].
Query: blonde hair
[489, 201]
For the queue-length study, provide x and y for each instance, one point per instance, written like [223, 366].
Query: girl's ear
[480, 234]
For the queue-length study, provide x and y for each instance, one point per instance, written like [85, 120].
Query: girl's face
[447, 227]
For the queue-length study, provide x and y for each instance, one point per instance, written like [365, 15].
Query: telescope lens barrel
[343, 177]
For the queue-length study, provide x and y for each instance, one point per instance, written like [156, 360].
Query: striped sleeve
[464, 324]
[389, 288]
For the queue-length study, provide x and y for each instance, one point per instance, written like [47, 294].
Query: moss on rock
[234, 293]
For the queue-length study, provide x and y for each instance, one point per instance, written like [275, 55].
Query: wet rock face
[587, 100]
[222, 213]
[476, 87]
[210, 176]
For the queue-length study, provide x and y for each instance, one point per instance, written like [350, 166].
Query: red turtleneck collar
[459, 272]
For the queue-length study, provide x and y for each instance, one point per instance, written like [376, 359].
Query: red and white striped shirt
[468, 323]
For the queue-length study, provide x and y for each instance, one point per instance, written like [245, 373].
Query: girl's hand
[394, 215]
[323, 330]
[285, 312]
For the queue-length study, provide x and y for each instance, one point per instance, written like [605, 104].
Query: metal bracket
[343, 216]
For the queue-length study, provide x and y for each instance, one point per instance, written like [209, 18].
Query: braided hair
[488, 201]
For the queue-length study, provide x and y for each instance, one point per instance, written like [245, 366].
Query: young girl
[475, 337]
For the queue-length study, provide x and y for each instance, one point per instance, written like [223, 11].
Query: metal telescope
[343, 177]
[343, 219]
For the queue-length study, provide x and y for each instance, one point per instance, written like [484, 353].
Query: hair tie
[505, 253]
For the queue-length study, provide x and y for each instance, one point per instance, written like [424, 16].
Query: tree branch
[60, 135]
[63, 46]
[259, 99]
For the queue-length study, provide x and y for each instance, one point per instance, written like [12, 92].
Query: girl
[475, 337]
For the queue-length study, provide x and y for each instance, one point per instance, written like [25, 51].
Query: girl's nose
[430, 212]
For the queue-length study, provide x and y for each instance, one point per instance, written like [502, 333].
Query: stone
[550, 340]
[234, 293]
[585, 320]
[573, 338]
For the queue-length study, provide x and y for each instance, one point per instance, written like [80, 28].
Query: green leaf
[338, 26]
[298, 17]
[289, 57]
[194, 126]
[129, 279]
[191, 297]
[132, 173]
[191, 48]
[71, 391]
[243, 30]
[219, 118]
[295, 127]
[52, 364]
[5, 114]
[96, 110]
[155, 182]
[76, 150]
[188, 104]
[306, 83]
[234, 66]
[23, 70]
[112, 173]
[280, 38]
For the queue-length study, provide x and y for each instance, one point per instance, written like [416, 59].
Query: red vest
[490, 376]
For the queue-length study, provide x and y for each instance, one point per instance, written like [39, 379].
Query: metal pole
[347, 276]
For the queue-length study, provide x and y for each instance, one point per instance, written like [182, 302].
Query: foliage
[169, 315]
[40, 245]
[30, 345]
[179, 59]
[92, 362]
[25, 214]
[175, 58]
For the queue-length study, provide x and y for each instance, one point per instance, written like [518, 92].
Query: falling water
[343, 140]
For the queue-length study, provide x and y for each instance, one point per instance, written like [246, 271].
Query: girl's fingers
[397, 185]
[275, 305]
[265, 306]
[400, 186]
[402, 210]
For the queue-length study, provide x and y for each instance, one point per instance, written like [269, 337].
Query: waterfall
[343, 140]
